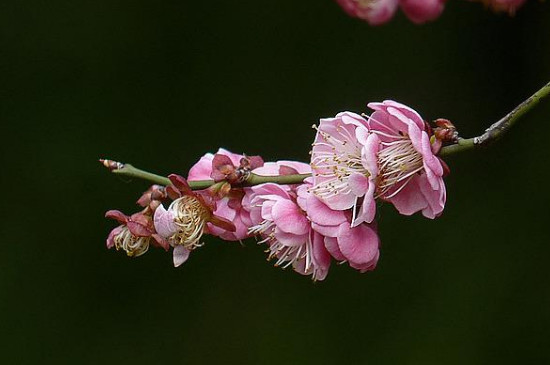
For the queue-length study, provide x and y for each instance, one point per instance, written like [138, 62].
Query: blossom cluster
[377, 12]
[356, 162]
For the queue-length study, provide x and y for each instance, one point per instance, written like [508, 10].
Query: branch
[254, 179]
[495, 131]
[491, 134]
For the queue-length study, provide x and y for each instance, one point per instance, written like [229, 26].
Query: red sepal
[180, 183]
[160, 241]
[117, 215]
[222, 168]
[172, 192]
[446, 169]
[287, 170]
[223, 223]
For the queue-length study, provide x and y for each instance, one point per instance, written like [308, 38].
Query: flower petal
[164, 222]
[331, 244]
[359, 184]
[180, 255]
[410, 199]
[368, 208]
[359, 245]
[289, 218]
[111, 238]
[321, 214]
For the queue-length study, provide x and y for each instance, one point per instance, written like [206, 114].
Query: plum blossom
[359, 245]
[186, 219]
[344, 165]
[410, 174]
[231, 167]
[375, 12]
[134, 234]
[284, 225]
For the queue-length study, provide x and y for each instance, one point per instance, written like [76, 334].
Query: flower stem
[254, 179]
[495, 131]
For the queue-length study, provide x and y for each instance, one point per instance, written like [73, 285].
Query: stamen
[132, 245]
[398, 162]
[190, 216]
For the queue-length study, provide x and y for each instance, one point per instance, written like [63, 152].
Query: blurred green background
[158, 84]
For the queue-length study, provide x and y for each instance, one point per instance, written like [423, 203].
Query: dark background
[158, 84]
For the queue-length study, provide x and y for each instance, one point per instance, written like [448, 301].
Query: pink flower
[186, 219]
[359, 245]
[134, 234]
[421, 11]
[375, 12]
[410, 174]
[225, 165]
[283, 224]
[344, 165]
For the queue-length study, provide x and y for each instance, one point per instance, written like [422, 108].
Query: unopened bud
[112, 165]
[445, 130]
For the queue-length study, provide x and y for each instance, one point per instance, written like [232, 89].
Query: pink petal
[340, 201]
[202, 169]
[368, 208]
[331, 244]
[321, 214]
[352, 118]
[434, 198]
[289, 239]
[289, 218]
[409, 200]
[380, 121]
[358, 245]
[369, 266]
[359, 184]
[180, 255]
[321, 256]
[369, 154]
[406, 111]
[268, 169]
[164, 222]
[111, 238]
[235, 157]
[430, 160]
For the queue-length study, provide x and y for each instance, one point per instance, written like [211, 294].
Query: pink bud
[421, 11]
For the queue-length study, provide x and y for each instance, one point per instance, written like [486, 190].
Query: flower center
[132, 245]
[334, 159]
[398, 162]
[190, 216]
